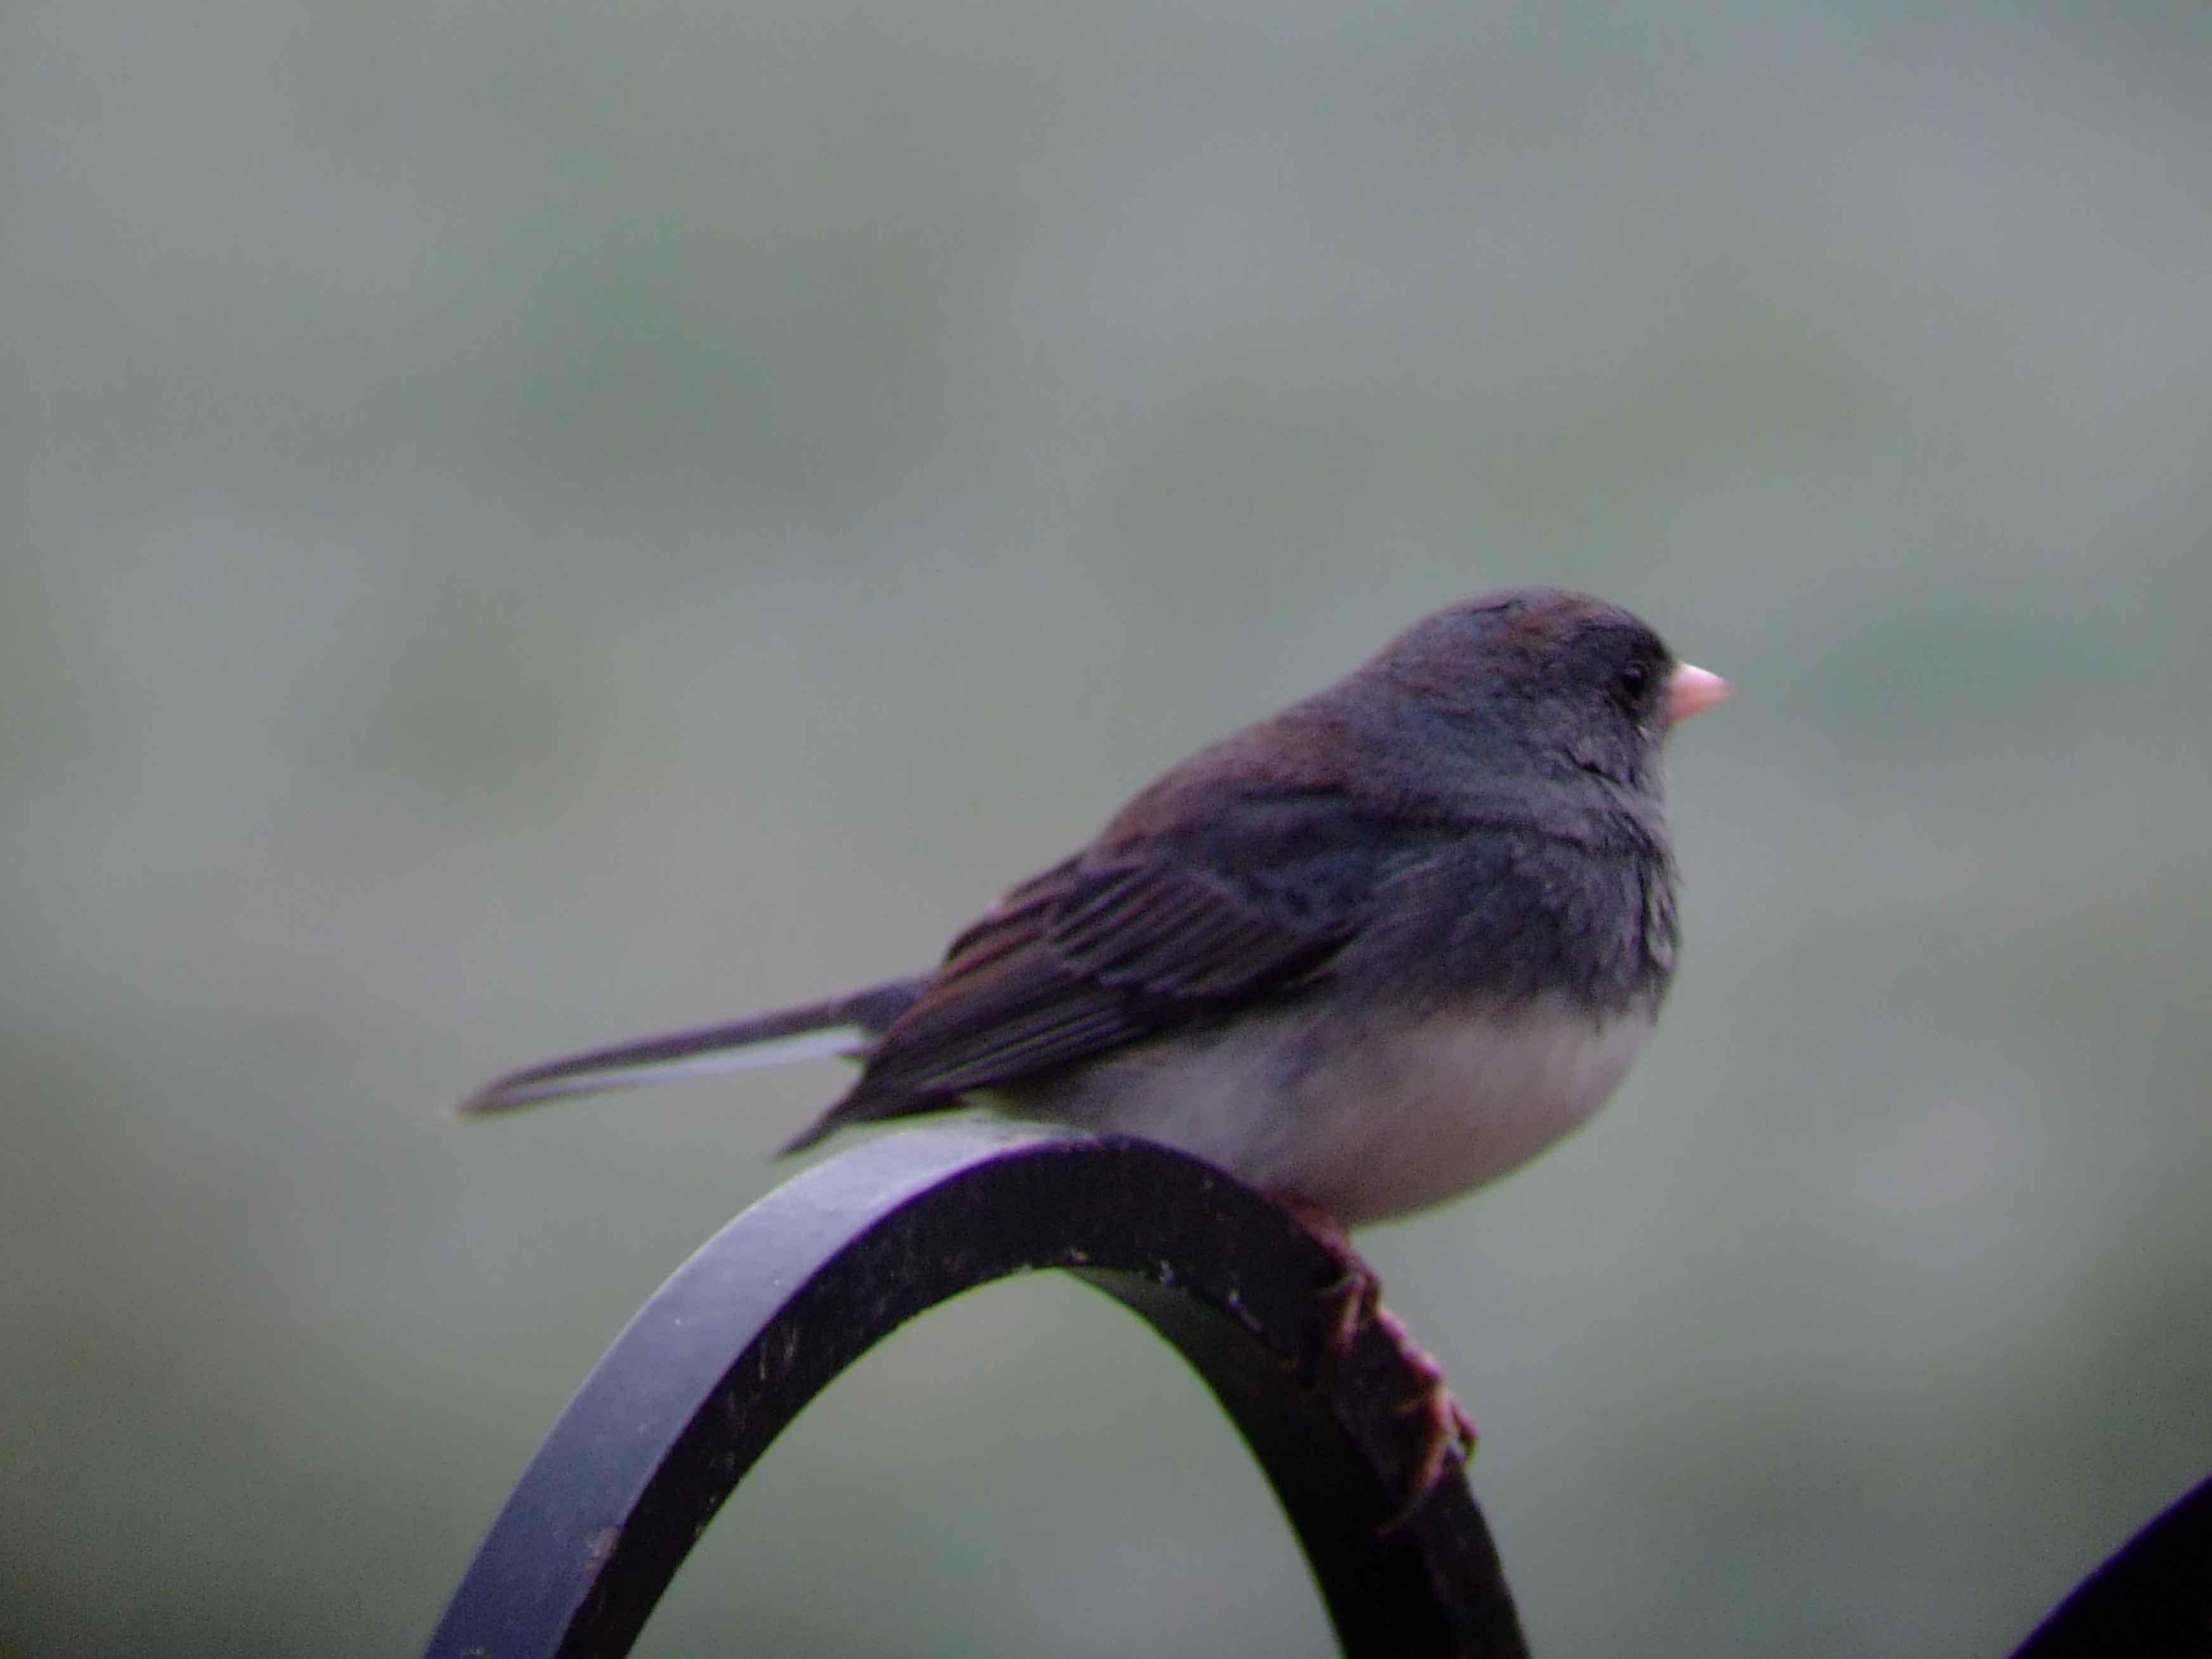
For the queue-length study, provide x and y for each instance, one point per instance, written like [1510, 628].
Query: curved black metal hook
[2152, 1599]
[796, 1288]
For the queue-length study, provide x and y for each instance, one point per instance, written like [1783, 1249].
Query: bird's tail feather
[841, 1025]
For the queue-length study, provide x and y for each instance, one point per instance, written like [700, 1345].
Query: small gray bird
[1365, 955]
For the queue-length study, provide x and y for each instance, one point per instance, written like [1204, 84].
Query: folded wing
[1112, 947]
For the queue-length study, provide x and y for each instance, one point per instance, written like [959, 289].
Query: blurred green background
[527, 524]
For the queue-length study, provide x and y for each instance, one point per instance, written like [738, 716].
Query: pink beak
[1692, 691]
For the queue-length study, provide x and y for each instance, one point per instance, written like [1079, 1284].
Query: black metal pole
[796, 1288]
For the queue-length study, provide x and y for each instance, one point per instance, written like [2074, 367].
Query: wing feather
[1120, 944]
[1114, 953]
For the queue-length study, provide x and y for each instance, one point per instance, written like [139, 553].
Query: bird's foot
[1352, 1298]
[1350, 1302]
[1446, 1431]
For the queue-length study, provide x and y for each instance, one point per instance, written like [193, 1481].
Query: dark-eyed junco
[1365, 955]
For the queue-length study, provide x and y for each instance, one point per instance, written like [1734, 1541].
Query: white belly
[1390, 1119]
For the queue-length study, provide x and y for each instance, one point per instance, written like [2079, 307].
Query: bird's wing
[1116, 945]
[1109, 954]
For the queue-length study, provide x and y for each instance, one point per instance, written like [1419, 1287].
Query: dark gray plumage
[1365, 954]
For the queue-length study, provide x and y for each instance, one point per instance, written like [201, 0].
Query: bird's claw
[1353, 1299]
[1446, 1431]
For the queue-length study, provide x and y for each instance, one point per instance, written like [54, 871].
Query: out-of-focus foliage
[527, 522]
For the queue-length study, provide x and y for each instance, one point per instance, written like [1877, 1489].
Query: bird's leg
[1353, 1297]
[1353, 1300]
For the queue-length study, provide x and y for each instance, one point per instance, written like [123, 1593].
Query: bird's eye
[1634, 680]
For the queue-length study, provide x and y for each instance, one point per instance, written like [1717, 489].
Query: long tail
[842, 1025]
